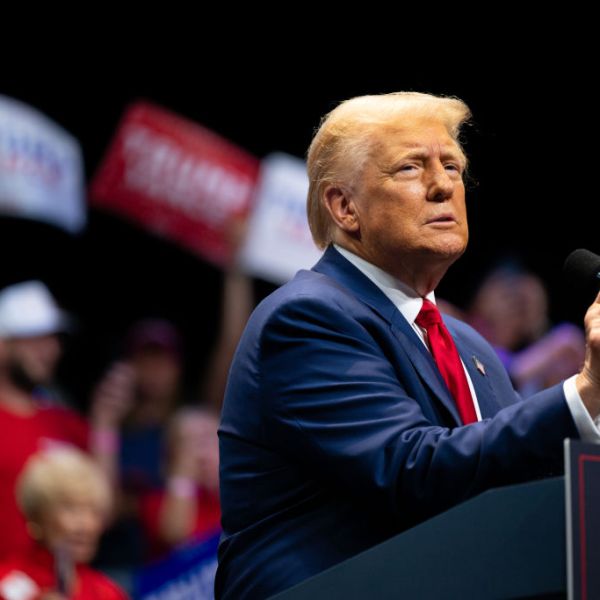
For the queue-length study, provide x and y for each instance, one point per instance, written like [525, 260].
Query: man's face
[410, 199]
[33, 359]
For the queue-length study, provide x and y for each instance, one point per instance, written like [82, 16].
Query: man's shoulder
[307, 283]
[308, 291]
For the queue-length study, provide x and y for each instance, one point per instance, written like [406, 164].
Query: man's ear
[342, 208]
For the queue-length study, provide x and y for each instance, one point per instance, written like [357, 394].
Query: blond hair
[58, 473]
[345, 136]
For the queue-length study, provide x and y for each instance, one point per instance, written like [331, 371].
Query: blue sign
[188, 573]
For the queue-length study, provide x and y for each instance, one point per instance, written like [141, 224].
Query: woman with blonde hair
[66, 500]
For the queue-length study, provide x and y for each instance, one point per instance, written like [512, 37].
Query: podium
[505, 543]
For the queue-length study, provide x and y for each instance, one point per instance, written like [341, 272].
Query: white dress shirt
[409, 303]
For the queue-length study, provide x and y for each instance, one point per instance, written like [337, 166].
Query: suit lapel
[424, 364]
[334, 265]
[486, 397]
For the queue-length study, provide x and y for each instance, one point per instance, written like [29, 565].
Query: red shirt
[20, 437]
[208, 518]
[31, 573]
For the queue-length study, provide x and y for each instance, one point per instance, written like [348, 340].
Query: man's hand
[588, 380]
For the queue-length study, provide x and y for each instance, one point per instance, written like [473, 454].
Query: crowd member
[133, 402]
[511, 310]
[132, 405]
[129, 410]
[65, 499]
[187, 507]
[29, 320]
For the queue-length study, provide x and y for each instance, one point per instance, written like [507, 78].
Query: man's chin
[449, 249]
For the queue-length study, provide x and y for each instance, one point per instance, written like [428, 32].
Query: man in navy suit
[339, 428]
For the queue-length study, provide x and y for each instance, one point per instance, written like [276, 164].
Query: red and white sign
[177, 179]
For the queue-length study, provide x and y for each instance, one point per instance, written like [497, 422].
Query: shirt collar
[406, 300]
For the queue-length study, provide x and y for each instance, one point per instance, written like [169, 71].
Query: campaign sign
[41, 168]
[176, 179]
[582, 481]
[188, 573]
[278, 241]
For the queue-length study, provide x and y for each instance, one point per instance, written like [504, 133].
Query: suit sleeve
[333, 403]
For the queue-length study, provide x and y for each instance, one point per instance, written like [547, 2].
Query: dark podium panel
[505, 543]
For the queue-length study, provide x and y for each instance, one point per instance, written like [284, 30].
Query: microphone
[583, 267]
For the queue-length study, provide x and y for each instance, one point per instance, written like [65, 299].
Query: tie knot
[428, 315]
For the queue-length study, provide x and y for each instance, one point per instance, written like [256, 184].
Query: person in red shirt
[188, 507]
[29, 350]
[65, 498]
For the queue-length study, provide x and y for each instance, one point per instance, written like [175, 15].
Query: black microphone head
[583, 267]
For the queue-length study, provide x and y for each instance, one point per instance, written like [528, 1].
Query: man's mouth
[445, 218]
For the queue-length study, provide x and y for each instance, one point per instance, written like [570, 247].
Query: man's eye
[453, 167]
[407, 167]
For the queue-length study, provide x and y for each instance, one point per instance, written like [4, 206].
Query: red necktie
[447, 359]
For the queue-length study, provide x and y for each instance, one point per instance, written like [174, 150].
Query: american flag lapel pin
[479, 365]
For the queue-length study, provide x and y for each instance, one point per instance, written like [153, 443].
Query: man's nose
[441, 184]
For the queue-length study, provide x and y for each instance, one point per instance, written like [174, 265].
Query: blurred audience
[65, 498]
[130, 408]
[134, 400]
[187, 507]
[149, 466]
[511, 310]
[29, 350]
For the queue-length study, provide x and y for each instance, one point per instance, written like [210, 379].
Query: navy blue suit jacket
[338, 431]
